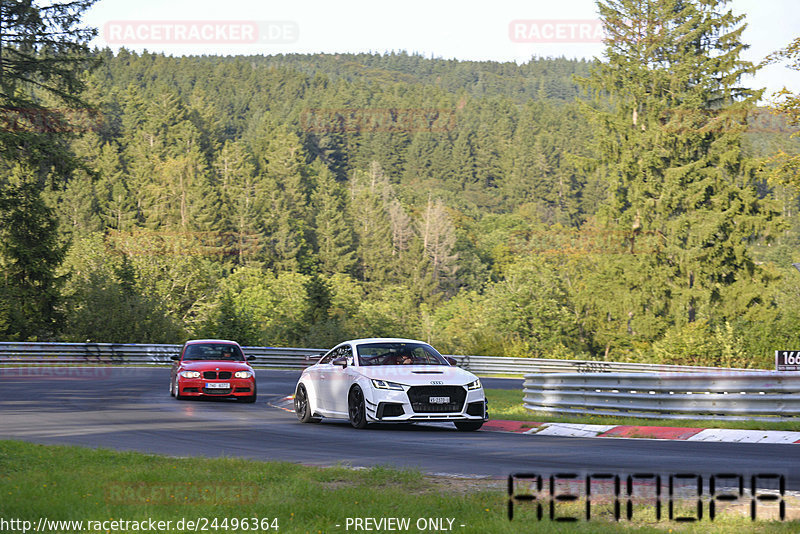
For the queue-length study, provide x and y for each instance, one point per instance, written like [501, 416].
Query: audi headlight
[190, 374]
[242, 374]
[383, 384]
[474, 385]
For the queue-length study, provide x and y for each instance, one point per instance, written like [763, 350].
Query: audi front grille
[420, 398]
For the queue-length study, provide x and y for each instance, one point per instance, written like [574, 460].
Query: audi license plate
[218, 385]
[439, 400]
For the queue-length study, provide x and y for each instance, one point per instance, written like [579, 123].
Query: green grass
[507, 404]
[74, 483]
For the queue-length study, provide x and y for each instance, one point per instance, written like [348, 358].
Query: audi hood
[418, 375]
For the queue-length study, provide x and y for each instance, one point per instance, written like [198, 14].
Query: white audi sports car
[389, 380]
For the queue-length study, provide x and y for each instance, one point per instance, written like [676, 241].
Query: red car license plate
[218, 385]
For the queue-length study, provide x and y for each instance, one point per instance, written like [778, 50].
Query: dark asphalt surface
[127, 408]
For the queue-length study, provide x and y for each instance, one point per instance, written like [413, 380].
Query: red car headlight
[190, 374]
[243, 374]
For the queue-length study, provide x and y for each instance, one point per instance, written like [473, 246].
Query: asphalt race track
[130, 408]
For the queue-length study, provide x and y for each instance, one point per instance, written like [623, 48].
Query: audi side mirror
[340, 361]
[452, 361]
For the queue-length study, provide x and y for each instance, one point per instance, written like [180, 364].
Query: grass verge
[507, 404]
[96, 485]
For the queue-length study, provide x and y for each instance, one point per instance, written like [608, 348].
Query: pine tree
[43, 50]
[43, 58]
[670, 149]
[283, 162]
[438, 240]
[243, 198]
[334, 236]
[29, 256]
[371, 224]
[77, 205]
[115, 201]
[462, 161]
[402, 228]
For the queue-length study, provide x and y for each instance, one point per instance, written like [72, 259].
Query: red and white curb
[285, 404]
[573, 430]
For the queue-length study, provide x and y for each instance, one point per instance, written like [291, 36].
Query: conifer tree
[334, 237]
[670, 151]
[43, 51]
[243, 198]
[438, 240]
[30, 252]
[115, 200]
[371, 224]
[283, 162]
[43, 56]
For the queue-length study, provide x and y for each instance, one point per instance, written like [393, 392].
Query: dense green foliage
[237, 217]
[43, 55]
[489, 208]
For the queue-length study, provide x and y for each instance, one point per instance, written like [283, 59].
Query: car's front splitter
[376, 410]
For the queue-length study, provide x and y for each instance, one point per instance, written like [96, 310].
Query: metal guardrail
[12, 353]
[486, 365]
[762, 396]
[119, 353]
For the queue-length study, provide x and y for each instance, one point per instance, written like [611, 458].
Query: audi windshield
[398, 354]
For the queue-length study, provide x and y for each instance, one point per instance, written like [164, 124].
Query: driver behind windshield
[213, 352]
[387, 353]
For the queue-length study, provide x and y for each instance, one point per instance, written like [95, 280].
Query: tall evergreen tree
[670, 149]
[243, 198]
[30, 253]
[438, 240]
[283, 162]
[371, 224]
[77, 206]
[115, 200]
[334, 236]
[43, 56]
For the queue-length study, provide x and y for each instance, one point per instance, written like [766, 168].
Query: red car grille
[213, 375]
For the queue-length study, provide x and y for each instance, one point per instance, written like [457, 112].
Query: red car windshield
[213, 351]
[399, 354]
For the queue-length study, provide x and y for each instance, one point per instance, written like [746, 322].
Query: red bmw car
[212, 368]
